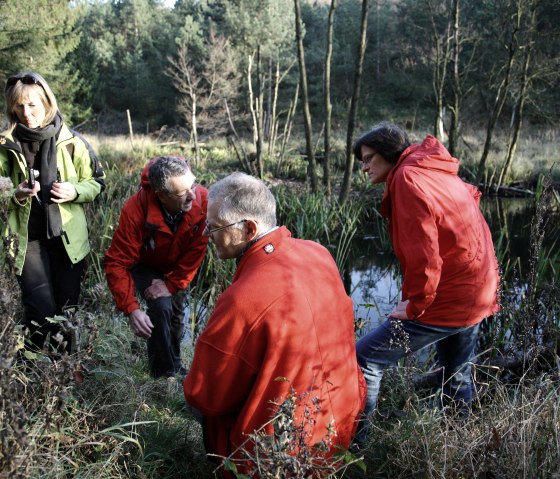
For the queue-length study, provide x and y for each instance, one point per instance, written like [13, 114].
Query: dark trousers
[50, 285]
[168, 317]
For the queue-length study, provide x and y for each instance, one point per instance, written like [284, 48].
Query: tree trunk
[327, 93]
[377, 44]
[523, 92]
[442, 47]
[518, 118]
[252, 99]
[456, 82]
[268, 118]
[347, 180]
[195, 130]
[259, 114]
[311, 167]
[273, 120]
[499, 101]
[288, 128]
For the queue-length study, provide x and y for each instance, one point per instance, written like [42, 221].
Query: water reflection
[374, 279]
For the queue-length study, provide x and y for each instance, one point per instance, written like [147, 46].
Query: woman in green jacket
[55, 173]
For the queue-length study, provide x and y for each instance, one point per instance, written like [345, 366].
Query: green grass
[99, 415]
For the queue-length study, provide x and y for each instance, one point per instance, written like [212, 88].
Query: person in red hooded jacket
[446, 255]
[156, 249]
[285, 326]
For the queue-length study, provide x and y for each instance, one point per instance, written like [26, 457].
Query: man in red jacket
[447, 259]
[285, 323]
[157, 249]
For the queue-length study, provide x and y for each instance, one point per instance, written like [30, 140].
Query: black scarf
[45, 162]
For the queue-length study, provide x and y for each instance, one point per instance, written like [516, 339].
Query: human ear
[251, 229]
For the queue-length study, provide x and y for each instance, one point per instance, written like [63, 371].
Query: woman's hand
[23, 191]
[400, 311]
[63, 192]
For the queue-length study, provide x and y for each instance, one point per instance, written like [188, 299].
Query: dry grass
[513, 433]
[99, 415]
[536, 154]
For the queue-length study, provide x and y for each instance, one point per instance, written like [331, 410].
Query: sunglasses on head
[26, 80]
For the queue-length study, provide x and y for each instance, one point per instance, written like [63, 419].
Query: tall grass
[321, 218]
[514, 432]
[99, 414]
[47, 430]
[530, 290]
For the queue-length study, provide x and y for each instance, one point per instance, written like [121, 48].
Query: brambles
[13, 417]
[286, 453]
[101, 416]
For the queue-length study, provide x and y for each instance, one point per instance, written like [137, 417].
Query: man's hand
[140, 323]
[62, 192]
[158, 289]
[400, 311]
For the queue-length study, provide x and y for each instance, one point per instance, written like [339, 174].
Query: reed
[322, 218]
[99, 414]
[513, 433]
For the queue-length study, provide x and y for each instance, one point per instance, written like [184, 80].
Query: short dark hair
[165, 167]
[386, 138]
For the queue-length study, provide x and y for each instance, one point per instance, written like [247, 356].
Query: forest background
[280, 88]
[241, 69]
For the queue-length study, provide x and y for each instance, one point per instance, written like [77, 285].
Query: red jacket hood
[430, 155]
[144, 181]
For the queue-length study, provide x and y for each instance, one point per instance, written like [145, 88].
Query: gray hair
[19, 92]
[165, 167]
[242, 196]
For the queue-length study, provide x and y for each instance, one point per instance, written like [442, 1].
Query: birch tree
[441, 43]
[525, 79]
[361, 50]
[261, 31]
[327, 97]
[309, 150]
[205, 85]
[456, 96]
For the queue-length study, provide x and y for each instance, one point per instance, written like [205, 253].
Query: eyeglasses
[192, 190]
[367, 158]
[210, 232]
[26, 80]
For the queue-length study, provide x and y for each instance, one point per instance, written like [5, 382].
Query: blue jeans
[394, 339]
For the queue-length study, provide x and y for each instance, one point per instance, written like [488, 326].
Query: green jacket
[76, 166]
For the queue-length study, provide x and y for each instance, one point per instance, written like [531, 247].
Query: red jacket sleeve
[123, 254]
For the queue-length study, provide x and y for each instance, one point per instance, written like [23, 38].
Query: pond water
[373, 279]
